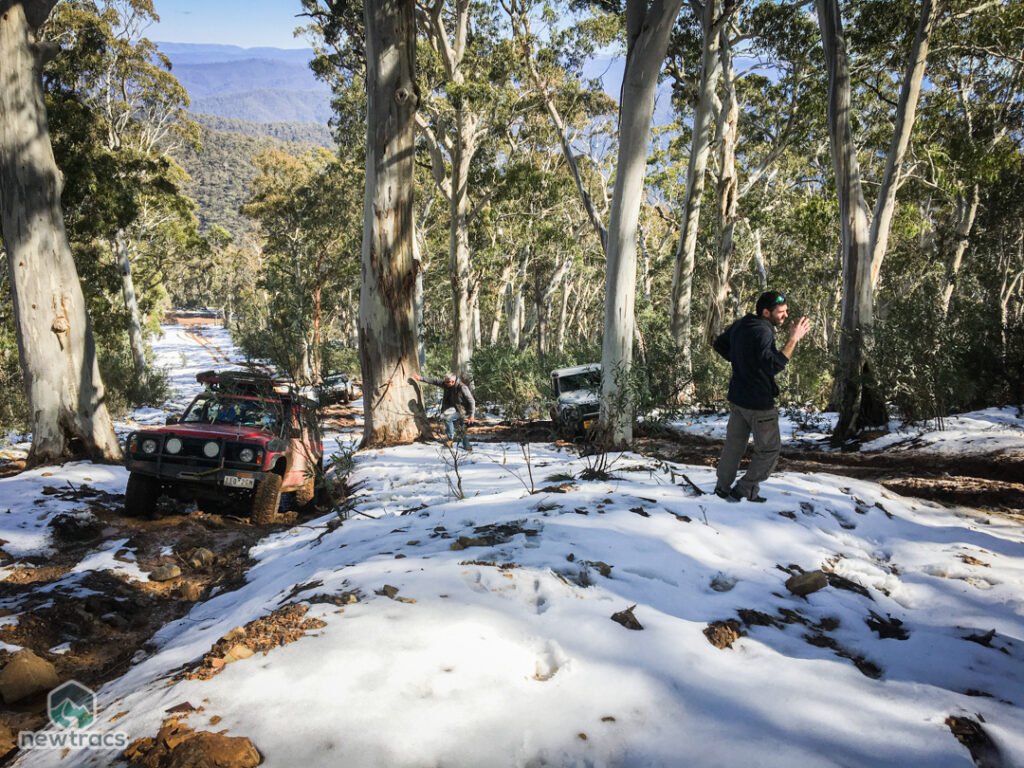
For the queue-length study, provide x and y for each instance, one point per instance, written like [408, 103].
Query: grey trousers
[767, 444]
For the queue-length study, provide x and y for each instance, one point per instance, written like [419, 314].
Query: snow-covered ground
[498, 648]
[987, 431]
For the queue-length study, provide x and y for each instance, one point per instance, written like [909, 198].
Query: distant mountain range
[260, 85]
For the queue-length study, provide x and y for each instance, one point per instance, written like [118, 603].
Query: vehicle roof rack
[251, 382]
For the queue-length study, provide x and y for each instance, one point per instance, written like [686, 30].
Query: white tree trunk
[964, 214]
[700, 148]
[647, 30]
[392, 408]
[726, 191]
[58, 355]
[124, 266]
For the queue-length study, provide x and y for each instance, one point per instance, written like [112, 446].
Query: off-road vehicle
[577, 393]
[245, 440]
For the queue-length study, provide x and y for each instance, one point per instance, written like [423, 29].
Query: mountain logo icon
[71, 705]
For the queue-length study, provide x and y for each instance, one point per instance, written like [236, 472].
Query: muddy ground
[105, 625]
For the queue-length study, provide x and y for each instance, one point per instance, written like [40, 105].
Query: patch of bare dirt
[283, 626]
[90, 626]
[991, 481]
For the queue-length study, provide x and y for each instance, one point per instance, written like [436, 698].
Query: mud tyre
[266, 500]
[305, 495]
[140, 495]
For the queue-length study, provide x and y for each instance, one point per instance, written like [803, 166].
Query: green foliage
[513, 379]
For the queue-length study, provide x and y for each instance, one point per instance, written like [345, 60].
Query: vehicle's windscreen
[236, 411]
[588, 380]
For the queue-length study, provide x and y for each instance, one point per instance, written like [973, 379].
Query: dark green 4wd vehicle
[244, 441]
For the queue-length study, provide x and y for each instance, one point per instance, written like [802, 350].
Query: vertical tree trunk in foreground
[647, 30]
[864, 237]
[393, 411]
[55, 341]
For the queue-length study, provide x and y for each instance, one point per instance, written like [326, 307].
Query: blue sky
[246, 23]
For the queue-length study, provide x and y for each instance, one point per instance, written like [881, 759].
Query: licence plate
[588, 423]
[238, 482]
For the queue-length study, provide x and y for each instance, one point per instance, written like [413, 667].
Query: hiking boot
[757, 499]
[731, 496]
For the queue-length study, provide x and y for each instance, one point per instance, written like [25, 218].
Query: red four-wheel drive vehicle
[245, 440]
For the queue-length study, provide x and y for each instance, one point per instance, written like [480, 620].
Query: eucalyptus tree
[305, 208]
[711, 18]
[393, 411]
[55, 339]
[648, 25]
[864, 235]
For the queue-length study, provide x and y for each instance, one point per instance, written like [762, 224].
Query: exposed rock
[722, 634]
[165, 573]
[178, 746]
[190, 591]
[627, 619]
[723, 583]
[76, 528]
[201, 557]
[283, 626]
[26, 674]
[238, 652]
[969, 732]
[805, 583]
[8, 740]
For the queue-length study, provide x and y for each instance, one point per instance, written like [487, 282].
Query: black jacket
[455, 396]
[749, 344]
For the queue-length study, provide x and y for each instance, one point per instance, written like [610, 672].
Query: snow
[990, 430]
[523, 666]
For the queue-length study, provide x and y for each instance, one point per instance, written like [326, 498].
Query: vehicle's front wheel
[141, 494]
[266, 500]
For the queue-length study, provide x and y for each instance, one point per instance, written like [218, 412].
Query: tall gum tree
[648, 26]
[69, 415]
[393, 410]
[864, 235]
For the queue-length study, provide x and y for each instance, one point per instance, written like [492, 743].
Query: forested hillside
[220, 175]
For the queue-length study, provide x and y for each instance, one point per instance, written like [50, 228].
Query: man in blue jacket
[749, 344]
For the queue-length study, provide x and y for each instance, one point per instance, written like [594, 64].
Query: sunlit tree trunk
[693, 194]
[647, 31]
[964, 214]
[863, 237]
[726, 191]
[69, 415]
[392, 409]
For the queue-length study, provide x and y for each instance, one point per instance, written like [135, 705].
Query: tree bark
[392, 408]
[131, 304]
[855, 392]
[964, 213]
[700, 148]
[58, 354]
[864, 240]
[647, 31]
[726, 191]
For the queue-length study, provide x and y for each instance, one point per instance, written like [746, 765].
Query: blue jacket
[749, 344]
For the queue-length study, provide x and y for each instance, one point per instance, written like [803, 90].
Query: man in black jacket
[458, 407]
[749, 344]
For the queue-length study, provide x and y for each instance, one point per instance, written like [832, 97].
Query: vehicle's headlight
[247, 454]
[571, 413]
[211, 449]
[149, 445]
[173, 445]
